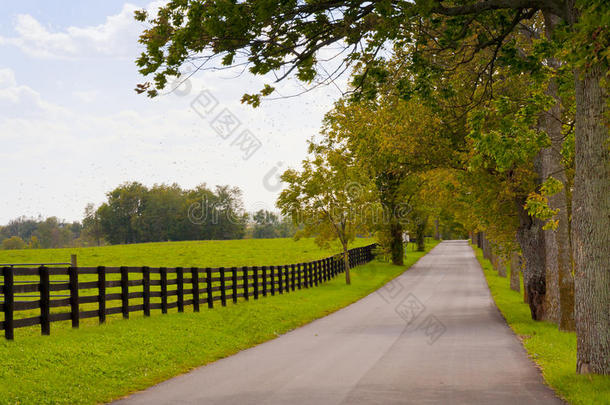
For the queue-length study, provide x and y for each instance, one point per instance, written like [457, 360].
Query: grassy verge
[552, 350]
[100, 363]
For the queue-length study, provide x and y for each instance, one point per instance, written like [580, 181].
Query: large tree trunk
[531, 239]
[486, 247]
[559, 281]
[501, 266]
[420, 234]
[591, 223]
[346, 264]
[396, 244]
[515, 266]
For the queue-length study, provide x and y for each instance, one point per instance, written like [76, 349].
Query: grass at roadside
[100, 363]
[552, 350]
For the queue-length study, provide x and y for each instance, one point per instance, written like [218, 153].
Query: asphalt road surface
[431, 336]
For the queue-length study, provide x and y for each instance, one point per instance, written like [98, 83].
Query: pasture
[207, 253]
[100, 363]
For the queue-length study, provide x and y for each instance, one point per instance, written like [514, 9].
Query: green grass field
[96, 364]
[245, 252]
[208, 253]
[552, 350]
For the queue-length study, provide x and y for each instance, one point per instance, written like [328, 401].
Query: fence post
[101, 293]
[272, 277]
[299, 276]
[208, 283]
[195, 284]
[246, 281]
[125, 292]
[45, 298]
[280, 278]
[321, 271]
[264, 269]
[316, 272]
[180, 288]
[223, 287]
[286, 278]
[146, 290]
[255, 281]
[234, 277]
[9, 302]
[163, 272]
[293, 276]
[310, 269]
[73, 274]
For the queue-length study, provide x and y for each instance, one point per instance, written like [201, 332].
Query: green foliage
[13, 243]
[47, 233]
[330, 197]
[504, 134]
[537, 204]
[587, 40]
[135, 214]
[269, 225]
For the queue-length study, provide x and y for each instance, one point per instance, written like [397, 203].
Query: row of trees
[38, 233]
[134, 213]
[495, 112]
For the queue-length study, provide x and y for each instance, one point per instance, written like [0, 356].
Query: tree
[13, 243]
[285, 38]
[92, 227]
[265, 224]
[118, 215]
[392, 141]
[329, 197]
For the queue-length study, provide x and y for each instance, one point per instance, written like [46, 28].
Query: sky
[72, 128]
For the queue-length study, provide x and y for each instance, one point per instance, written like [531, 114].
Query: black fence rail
[88, 291]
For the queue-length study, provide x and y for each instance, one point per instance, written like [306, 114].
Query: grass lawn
[100, 363]
[228, 253]
[552, 350]
[208, 253]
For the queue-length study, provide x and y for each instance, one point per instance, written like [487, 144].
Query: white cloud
[86, 96]
[21, 101]
[67, 136]
[68, 157]
[116, 37]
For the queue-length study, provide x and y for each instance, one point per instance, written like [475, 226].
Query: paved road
[432, 336]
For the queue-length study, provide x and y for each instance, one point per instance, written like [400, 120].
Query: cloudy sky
[72, 128]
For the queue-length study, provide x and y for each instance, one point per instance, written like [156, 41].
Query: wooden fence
[146, 289]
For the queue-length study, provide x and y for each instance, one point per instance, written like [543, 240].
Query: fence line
[154, 288]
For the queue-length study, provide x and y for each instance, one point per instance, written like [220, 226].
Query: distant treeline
[134, 213]
[35, 233]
